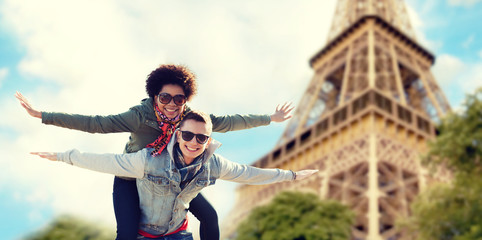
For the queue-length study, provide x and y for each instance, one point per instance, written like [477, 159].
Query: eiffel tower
[363, 121]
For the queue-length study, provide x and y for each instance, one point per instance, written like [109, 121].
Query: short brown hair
[171, 74]
[197, 116]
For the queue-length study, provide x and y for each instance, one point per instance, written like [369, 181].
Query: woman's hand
[25, 104]
[299, 175]
[282, 113]
[52, 156]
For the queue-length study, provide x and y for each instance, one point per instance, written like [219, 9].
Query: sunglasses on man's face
[166, 98]
[200, 138]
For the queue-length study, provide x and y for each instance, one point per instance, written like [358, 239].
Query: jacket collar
[148, 102]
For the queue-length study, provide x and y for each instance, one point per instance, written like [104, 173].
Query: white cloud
[448, 68]
[474, 79]
[480, 53]
[457, 77]
[99, 54]
[3, 74]
[465, 3]
[468, 42]
[420, 24]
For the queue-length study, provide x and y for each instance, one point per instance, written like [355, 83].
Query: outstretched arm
[240, 173]
[127, 165]
[128, 121]
[26, 104]
[240, 122]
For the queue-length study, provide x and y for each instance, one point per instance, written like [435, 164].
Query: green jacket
[141, 122]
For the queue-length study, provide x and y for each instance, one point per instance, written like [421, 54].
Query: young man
[167, 182]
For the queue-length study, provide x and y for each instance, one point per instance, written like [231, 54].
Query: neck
[188, 160]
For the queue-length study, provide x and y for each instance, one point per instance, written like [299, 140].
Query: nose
[193, 140]
[171, 102]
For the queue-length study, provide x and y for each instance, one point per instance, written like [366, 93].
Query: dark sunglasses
[165, 98]
[200, 138]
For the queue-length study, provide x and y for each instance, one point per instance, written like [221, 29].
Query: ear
[209, 142]
[178, 135]
[156, 103]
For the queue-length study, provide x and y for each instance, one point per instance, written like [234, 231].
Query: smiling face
[171, 110]
[191, 149]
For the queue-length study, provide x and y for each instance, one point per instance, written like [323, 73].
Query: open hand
[305, 173]
[52, 156]
[282, 113]
[25, 104]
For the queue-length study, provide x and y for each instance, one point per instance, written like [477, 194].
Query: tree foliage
[299, 216]
[453, 211]
[459, 144]
[67, 227]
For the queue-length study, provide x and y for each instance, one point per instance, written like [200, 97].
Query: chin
[191, 154]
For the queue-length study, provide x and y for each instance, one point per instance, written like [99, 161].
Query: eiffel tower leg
[373, 214]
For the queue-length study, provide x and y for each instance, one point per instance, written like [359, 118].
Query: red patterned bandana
[167, 126]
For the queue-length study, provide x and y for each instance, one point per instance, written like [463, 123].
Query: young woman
[152, 124]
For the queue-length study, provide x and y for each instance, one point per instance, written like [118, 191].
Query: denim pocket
[203, 182]
[159, 185]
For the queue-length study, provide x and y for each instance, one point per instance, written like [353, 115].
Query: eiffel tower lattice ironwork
[363, 121]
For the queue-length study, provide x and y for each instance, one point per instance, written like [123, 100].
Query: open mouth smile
[171, 110]
[190, 149]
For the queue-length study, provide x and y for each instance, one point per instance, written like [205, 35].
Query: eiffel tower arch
[363, 121]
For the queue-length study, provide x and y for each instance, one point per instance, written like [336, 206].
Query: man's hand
[25, 104]
[282, 113]
[305, 174]
[52, 156]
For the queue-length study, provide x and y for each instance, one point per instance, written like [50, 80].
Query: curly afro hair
[171, 74]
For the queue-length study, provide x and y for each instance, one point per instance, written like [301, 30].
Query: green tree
[453, 211]
[67, 227]
[459, 144]
[299, 216]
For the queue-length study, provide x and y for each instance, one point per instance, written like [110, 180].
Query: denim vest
[159, 189]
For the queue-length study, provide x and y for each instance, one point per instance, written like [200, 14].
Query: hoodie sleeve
[128, 121]
[126, 165]
[236, 122]
[240, 173]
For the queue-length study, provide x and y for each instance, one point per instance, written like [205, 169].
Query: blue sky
[92, 57]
